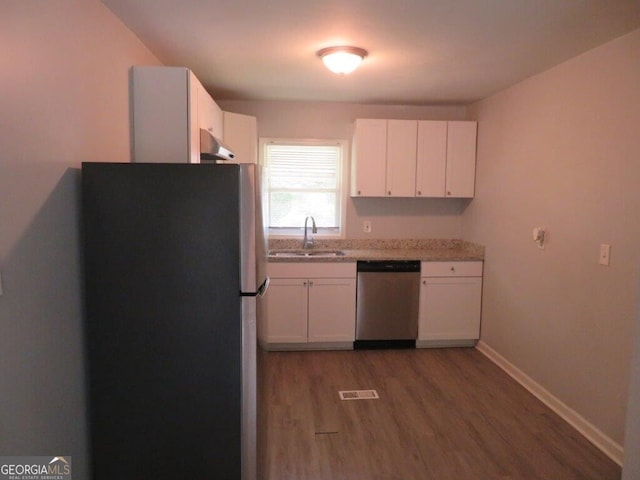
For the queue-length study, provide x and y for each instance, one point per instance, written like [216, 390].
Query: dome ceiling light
[342, 60]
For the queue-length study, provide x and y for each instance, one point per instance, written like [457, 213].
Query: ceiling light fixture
[342, 60]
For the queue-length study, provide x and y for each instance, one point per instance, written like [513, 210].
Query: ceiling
[420, 51]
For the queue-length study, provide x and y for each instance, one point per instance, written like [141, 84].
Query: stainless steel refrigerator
[174, 259]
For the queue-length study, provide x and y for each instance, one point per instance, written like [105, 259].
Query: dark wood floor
[442, 414]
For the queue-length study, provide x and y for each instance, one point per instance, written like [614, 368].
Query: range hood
[212, 148]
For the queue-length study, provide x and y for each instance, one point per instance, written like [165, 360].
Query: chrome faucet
[307, 242]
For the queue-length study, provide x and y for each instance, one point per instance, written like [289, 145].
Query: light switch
[539, 236]
[605, 254]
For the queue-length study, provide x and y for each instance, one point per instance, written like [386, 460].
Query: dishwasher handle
[390, 266]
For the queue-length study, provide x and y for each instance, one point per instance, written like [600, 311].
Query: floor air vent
[358, 395]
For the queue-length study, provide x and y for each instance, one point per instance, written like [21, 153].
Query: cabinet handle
[304, 284]
[424, 282]
[453, 269]
[311, 284]
[448, 192]
[419, 192]
[359, 192]
[389, 192]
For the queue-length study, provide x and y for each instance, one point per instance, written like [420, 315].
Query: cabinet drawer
[451, 269]
[311, 269]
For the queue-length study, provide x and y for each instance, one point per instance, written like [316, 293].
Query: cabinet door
[241, 136]
[431, 158]
[209, 114]
[193, 123]
[205, 110]
[162, 114]
[450, 308]
[401, 158]
[332, 310]
[286, 311]
[461, 159]
[368, 162]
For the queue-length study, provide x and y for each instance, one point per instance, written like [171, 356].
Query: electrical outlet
[605, 254]
[366, 226]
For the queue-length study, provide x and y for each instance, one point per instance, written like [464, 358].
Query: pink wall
[561, 150]
[64, 99]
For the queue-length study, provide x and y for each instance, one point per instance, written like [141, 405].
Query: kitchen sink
[307, 253]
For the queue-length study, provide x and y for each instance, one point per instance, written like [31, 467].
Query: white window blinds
[303, 180]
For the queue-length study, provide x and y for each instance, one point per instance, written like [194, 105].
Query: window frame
[341, 196]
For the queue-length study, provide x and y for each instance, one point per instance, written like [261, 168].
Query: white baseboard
[445, 343]
[610, 448]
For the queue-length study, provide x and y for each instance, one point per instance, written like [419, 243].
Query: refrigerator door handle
[264, 287]
[260, 292]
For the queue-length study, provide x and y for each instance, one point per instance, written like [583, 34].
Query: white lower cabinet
[332, 310]
[286, 311]
[310, 305]
[450, 303]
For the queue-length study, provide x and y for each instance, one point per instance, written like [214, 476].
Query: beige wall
[562, 150]
[390, 217]
[64, 99]
[559, 150]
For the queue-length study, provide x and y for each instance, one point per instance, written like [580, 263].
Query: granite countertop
[386, 249]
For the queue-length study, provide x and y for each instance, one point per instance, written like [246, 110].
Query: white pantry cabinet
[450, 303]
[170, 106]
[310, 306]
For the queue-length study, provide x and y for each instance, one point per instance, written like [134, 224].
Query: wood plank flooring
[442, 414]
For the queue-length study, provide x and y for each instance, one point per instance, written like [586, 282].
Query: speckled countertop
[381, 249]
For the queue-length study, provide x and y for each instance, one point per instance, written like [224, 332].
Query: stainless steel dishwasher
[387, 303]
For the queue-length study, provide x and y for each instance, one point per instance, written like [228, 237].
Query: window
[304, 177]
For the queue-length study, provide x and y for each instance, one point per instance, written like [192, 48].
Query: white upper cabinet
[401, 158]
[461, 159]
[432, 158]
[369, 158]
[409, 158]
[209, 113]
[384, 158]
[241, 136]
[446, 163]
[167, 116]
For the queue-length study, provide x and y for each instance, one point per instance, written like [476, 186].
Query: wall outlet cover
[605, 254]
